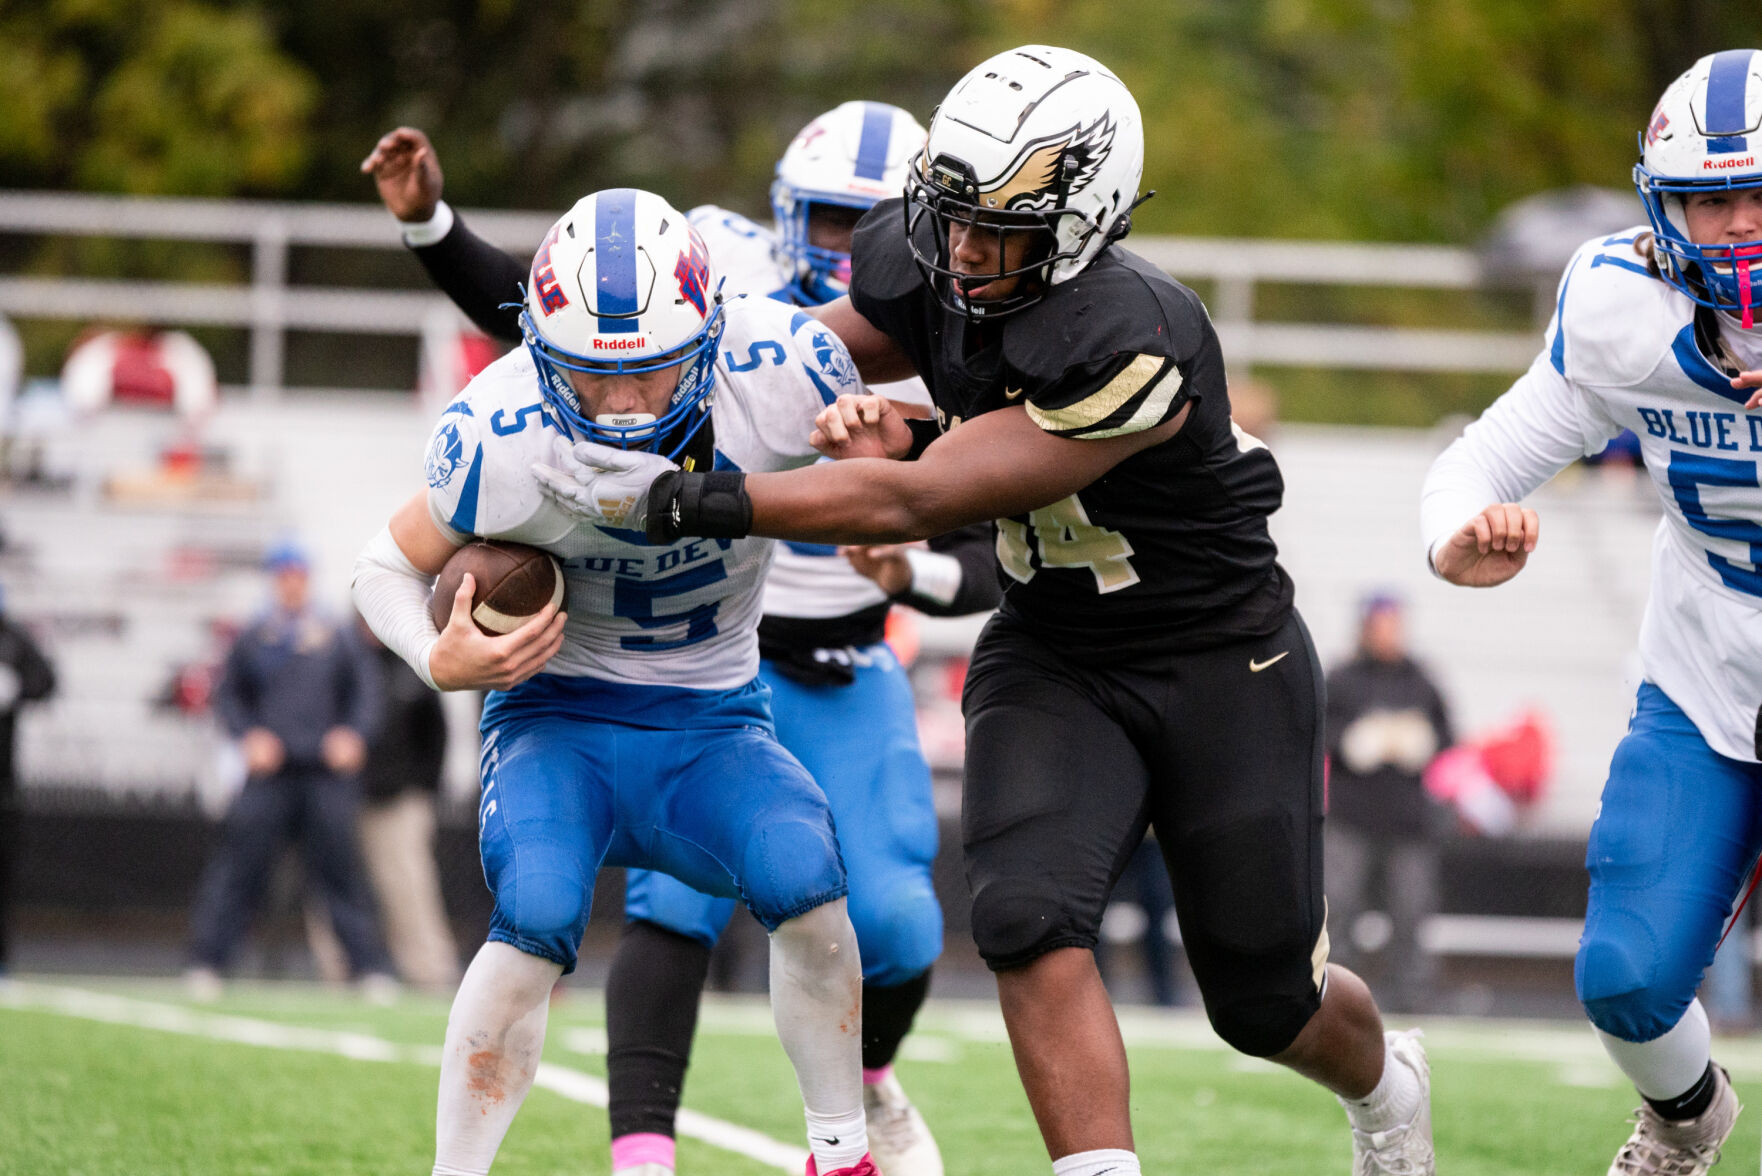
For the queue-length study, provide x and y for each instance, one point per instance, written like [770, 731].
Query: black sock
[1691, 1102]
[887, 1017]
[652, 995]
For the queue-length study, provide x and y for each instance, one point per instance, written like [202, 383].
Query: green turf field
[108, 1078]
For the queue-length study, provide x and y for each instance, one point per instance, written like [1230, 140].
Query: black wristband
[924, 430]
[713, 505]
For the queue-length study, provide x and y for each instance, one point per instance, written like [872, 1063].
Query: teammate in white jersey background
[829, 671]
[1656, 331]
[631, 729]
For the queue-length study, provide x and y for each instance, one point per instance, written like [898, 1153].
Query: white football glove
[601, 483]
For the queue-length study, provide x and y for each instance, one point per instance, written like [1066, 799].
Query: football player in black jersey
[1146, 666]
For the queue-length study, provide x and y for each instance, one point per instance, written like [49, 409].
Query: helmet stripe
[872, 147]
[614, 241]
[1727, 82]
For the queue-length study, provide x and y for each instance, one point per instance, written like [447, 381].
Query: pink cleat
[863, 1167]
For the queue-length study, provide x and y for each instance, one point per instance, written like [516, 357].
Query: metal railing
[269, 307]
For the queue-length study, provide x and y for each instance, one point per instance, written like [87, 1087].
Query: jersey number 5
[1688, 472]
[1066, 539]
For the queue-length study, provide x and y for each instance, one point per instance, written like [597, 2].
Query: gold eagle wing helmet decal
[1035, 181]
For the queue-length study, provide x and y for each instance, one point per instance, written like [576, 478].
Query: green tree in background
[150, 96]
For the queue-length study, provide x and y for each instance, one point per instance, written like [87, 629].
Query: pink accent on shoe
[871, 1077]
[628, 1151]
[863, 1167]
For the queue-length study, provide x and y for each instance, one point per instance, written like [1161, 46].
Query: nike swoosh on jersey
[1254, 667]
[1013, 395]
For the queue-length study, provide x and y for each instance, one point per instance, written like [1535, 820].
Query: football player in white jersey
[629, 729]
[820, 640]
[1656, 331]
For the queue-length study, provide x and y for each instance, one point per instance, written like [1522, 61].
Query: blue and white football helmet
[855, 155]
[1705, 135]
[623, 285]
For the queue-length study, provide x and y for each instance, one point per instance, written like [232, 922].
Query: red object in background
[1520, 758]
[902, 636]
[1487, 780]
[476, 352]
[139, 375]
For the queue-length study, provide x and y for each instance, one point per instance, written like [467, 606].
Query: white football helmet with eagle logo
[1037, 139]
[623, 285]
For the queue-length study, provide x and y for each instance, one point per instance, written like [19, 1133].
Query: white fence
[269, 307]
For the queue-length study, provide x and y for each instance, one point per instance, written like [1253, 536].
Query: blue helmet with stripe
[853, 156]
[1705, 136]
[623, 285]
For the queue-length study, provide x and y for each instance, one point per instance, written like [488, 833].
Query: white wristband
[935, 576]
[428, 232]
[392, 595]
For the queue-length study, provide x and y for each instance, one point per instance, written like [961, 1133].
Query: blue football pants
[860, 744]
[1679, 829]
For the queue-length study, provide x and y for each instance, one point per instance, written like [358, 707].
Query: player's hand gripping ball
[511, 583]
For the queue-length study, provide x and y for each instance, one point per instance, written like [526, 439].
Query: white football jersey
[1621, 353]
[684, 614]
[807, 579]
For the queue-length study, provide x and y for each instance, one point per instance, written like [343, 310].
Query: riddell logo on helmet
[1722, 164]
[602, 343]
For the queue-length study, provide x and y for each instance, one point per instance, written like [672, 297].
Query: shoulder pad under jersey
[742, 251]
[1613, 319]
[478, 465]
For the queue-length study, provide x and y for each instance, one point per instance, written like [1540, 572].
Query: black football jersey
[1169, 550]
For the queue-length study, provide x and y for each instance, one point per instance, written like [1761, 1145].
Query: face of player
[1383, 636]
[830, 226]
[979, 250]
[292, 585]
[625, 393]
[1724, 218]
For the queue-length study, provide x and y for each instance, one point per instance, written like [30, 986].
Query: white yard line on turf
[571, 1084]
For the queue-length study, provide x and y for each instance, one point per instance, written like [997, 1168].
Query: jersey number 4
[1065, 538]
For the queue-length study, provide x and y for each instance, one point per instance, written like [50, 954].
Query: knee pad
[1261, 1025]
[899, 928]
[1018, 920]
[791, 867]
[1621, 993]
[547, 904]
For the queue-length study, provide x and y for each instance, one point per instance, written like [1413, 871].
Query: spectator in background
[399, 783]
[1386, 722]
[25, 676]
[302, 696]
[146, 366]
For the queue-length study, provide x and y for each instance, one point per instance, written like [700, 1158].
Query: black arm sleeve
[478, 277]
[36, 677]
[973, 547]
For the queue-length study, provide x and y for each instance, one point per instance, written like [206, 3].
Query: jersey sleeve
[820, 370]
[1123, 393]
[480, 481]
[1542, 424]
[884, 278]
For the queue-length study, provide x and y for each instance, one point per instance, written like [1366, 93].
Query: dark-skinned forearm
[859, 500]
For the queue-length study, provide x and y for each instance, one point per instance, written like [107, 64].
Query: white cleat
[203, 985]
[1406, 1148]
[1661, 1147]
[645, 1170]
[899, 1140]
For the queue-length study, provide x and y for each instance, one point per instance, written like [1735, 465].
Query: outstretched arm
[479, 278]
[996, 465]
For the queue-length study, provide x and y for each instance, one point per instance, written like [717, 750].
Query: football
[512, 582]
